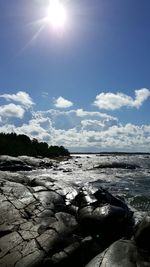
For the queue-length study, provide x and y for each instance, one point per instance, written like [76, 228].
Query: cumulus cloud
[35, 128]
[21, 97]
[93, 125]
[75, 118]
[61, 102]
[111, 101]
[91, 131]
[140, 96]
[12, 110]
[116, 138]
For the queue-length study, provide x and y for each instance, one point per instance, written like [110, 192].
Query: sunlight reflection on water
[132, 184]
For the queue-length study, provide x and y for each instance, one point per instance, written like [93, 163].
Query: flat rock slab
[23, 163]
[33, 220]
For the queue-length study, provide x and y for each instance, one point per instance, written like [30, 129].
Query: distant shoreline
[109, 153]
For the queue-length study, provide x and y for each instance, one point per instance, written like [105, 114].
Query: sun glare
[56, 14]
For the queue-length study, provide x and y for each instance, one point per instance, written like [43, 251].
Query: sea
[123, 175]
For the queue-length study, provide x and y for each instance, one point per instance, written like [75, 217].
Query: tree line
[17, 145]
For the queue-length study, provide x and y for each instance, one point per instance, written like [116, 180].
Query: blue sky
[87, 86]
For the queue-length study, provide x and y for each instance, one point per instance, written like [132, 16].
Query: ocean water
[133, 185]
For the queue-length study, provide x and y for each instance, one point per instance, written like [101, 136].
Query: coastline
[46, 216]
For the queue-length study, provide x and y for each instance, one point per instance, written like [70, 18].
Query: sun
[56, 14]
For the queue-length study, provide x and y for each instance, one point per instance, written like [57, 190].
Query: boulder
[127, 253]
[105, 215]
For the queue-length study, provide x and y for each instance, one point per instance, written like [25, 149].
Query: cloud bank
[92, 132]
[111, 101]
[77, 129]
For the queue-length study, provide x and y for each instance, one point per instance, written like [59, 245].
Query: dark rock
[49, 240]
[103, 197]
[107, 220]
[71, 209]
[65, 224]
[13, 164]
[8, 242]
[23, 163]
[46, 219]
[130, 253]
[142, 234]
[31, 260]
[47, 222]
[84, 198]
[122, 253]
[118, 165]
[67, 256]
[50, 200]
[98, 216]
[37, 162]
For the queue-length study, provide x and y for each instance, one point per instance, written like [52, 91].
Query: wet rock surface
[48, 222]
[23, 163]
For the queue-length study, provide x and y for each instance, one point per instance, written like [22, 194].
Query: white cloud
[75, 118]
[116, 138]
[140, 96]
[79, 130]
[93, 131]
[93, 114]
[92, 125]
[21, 97]
[111, 101]
[12, 110]
[61, 102]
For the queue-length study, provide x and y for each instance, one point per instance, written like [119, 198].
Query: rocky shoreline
[46, 222]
